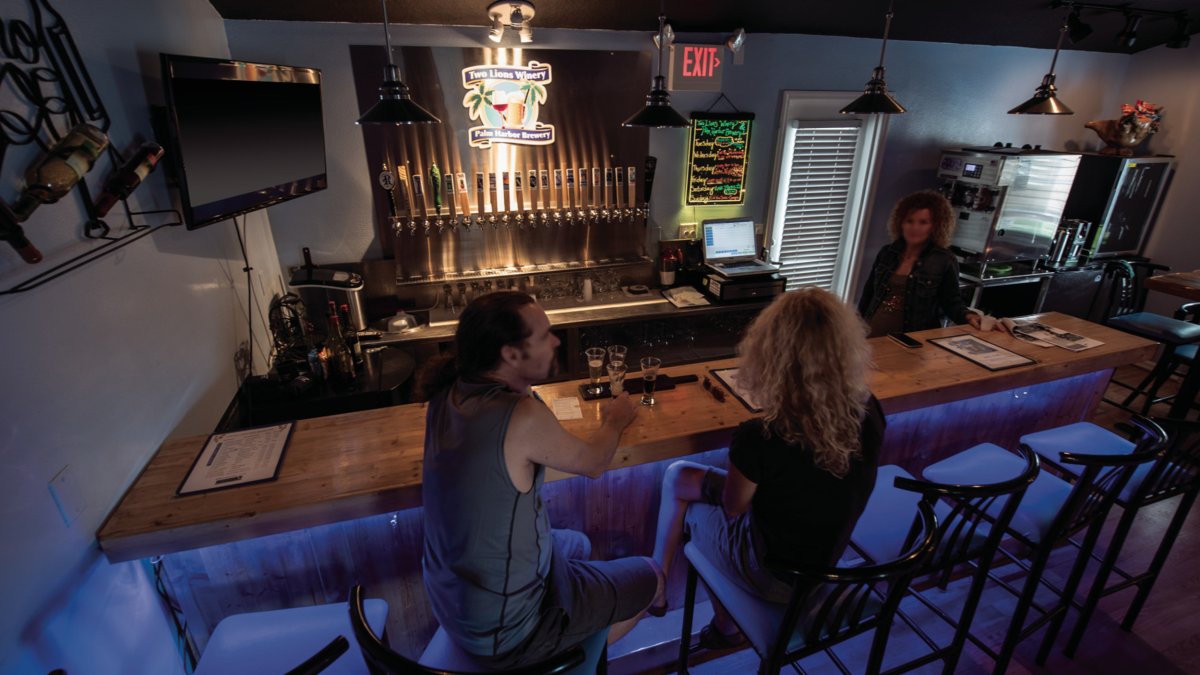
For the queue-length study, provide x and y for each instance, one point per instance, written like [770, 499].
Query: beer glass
[650, 366]
[616, 353]
[595, 361]
[616, 377]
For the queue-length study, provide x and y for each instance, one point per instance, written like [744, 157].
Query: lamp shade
[395, 105]
[1044, 101]
[658, 112]
[875, 99]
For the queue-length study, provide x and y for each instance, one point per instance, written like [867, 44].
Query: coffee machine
[1008, 201]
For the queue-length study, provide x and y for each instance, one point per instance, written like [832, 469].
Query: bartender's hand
[973, 319]
[620, 411]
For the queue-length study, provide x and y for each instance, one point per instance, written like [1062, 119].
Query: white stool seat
[276, 641]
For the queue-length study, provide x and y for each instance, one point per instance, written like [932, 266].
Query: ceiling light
[658, 112]
[1077, 30]
[1128, 35]
[395, 105]
[875, 98]
[1045, 98]
[515, 14]
[1181, 38]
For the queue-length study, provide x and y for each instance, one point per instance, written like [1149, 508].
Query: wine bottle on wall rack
[52, 176]
[12, 233]
[122, 182]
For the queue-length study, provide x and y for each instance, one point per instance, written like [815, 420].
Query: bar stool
[443, 657]
[1051, 509]
[1127, 298]
[1183, 356]
[276, 641]
[971, 521]
[1176, 473]
[827, 605]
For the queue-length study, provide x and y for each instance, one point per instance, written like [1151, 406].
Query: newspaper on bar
[1030, 329]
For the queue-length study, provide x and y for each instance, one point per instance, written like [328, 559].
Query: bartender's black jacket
[932, 289]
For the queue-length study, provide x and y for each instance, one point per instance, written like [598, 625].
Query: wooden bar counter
[366, 463]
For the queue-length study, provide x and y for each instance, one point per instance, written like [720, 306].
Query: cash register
[733, 269]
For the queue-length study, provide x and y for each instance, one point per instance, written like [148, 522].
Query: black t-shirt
[803, 513]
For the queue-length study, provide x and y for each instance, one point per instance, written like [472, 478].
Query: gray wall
[102, 365]
[957, 95]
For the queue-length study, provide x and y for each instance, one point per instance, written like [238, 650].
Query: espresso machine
[1008, 201]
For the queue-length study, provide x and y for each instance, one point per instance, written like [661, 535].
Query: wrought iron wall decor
[44, 80]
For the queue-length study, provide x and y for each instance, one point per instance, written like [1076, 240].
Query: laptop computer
[731, 249]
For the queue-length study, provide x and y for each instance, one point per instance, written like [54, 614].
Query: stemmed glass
[595, 360]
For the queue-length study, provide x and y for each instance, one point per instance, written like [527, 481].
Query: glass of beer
[650, 366]
[616, 353]
[616, 377]
[595, 361]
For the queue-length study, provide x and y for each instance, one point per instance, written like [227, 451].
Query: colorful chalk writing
[718, 152]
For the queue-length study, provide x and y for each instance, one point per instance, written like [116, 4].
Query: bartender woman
[914, 280]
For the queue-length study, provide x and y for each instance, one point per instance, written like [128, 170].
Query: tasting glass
[616, 353]
[650, 365]
[616, 377]
[595, 361]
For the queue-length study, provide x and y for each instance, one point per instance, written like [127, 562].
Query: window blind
[818, 193]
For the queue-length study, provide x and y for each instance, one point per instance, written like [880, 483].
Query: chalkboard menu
[717, 157]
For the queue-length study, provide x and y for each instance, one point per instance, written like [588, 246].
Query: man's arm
[535, 436]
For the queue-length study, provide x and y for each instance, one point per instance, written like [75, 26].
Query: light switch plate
[67, 492]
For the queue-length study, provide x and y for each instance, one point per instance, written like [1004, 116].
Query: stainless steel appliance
[1069, 243]
[316, 286]
[1008, 201]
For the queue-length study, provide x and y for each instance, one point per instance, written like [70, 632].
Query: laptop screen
[725, 239]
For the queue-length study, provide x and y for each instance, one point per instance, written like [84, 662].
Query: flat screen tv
[242, 136]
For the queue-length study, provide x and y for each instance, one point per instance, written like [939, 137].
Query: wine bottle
[122, 182]
[351, 335]
[52, 176]
[12, 233]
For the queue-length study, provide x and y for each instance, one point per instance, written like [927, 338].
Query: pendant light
[1045, 98]
[875, 98]
[658, 112]
[395, 105]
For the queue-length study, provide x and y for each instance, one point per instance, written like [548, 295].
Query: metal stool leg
[1160, 558]
[689, 610]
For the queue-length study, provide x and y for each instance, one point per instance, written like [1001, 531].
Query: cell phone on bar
[905, 340]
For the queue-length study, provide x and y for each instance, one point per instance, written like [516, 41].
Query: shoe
[658, 610]
[712, 638]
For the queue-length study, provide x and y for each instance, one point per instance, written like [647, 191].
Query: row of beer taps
[514, 199]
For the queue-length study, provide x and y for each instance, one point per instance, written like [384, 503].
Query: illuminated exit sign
[696, 67]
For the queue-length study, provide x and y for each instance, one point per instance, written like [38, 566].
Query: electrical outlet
[687, 230]
[67, 491]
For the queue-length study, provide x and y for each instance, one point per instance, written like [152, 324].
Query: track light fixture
[395, 105]
[875, 98]
[1181, 39]
[1127, 38]
[1045, 98]
[515, 14]
[1077, 30]
[736, 44]
[1128, 35]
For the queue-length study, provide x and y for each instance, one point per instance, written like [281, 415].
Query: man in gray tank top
[506, 588]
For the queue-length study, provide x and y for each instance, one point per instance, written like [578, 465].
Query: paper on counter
[238, 458]
[685, 296]
[567, 408]
[1055, 336]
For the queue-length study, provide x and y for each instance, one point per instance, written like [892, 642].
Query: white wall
[102, 365]
[1171, 78]
[957, 95]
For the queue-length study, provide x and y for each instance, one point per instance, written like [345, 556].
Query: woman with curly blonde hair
[800, 475]
[914, 280]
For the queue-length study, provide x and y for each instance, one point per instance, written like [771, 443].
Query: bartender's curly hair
[940, 212]
[804, 360]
